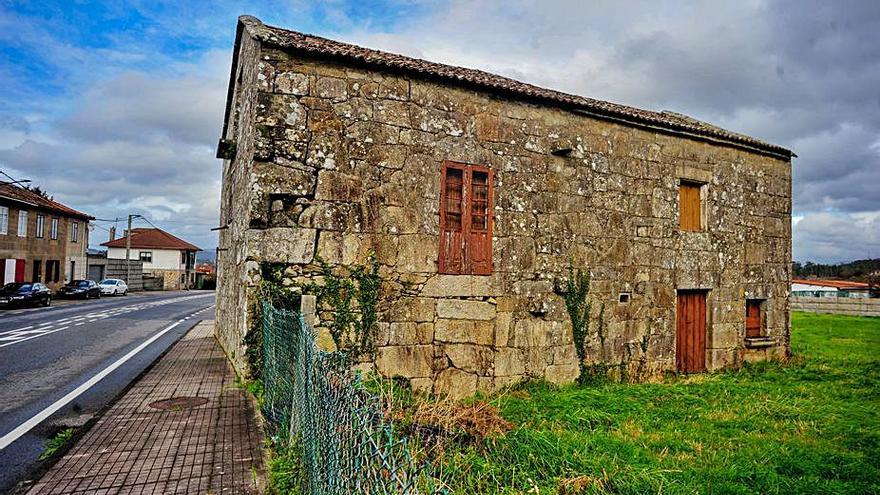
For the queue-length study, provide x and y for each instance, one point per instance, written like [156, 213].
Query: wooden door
[690, 335]
[753, 318]
[19, 270]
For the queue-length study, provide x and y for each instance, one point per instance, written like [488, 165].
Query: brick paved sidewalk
[134, 447]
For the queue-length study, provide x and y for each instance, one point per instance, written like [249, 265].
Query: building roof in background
[142, 238]
[204, 268]
[323, 47]
[837, 284]
[22, 195]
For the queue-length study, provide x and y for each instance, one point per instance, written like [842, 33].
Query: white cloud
[136, 143]
[837, 237]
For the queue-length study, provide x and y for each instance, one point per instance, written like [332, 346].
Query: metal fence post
[308, 308]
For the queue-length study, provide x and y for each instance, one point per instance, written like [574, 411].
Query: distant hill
[854, 270]
[208, 255]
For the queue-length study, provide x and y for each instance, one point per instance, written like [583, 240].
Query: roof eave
[254, 25]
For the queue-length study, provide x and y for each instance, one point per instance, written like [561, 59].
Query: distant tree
[38, 191]
[854, 270]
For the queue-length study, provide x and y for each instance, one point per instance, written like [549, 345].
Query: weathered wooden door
[690, 335]
[753, 318]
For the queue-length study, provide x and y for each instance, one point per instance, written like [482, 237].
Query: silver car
[113, 287]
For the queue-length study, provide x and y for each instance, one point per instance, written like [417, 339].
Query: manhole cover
[177, 403]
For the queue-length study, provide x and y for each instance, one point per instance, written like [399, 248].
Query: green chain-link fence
[315, 405]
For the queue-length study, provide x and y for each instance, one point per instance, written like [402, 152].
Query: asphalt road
[48, 356]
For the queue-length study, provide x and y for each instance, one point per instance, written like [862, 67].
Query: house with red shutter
[162, 254]
[478, 195]
[41, 240]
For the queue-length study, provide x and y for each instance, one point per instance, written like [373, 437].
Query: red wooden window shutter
[479, 245]
[466, 219]
[452, 197]
[690, 217]
[753, 318]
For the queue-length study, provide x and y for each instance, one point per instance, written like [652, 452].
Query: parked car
[23, 294]
[113, 287]
[80, 288]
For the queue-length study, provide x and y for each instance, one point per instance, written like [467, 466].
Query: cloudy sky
[117, 107]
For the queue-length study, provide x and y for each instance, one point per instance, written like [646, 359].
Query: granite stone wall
[342, 161]
[853, 306]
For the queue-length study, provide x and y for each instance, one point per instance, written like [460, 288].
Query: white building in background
[829, 288]
[162, 254]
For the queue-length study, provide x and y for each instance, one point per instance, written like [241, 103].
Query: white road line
[78, 324]
[34, 336]
[38, 418]
[17, 329]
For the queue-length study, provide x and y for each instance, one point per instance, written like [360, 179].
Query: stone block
[471, 358]
[455, 384]
[442, 285]
[422, 385]
[336, 186]
[281, 245]
[502, 382]
[463, 309]
[413, 361]
[272, 178]
[503, 325]
[725, 335]
[392, 112]
[324, 339]
[403, 333]
[561, 374]
[754, 253]
[723, 358]
[509, 361]
[424, 333]
[463, 331]
[417, 309]
[294, 83]
[537, 333]
[417, 253]
[331, 87]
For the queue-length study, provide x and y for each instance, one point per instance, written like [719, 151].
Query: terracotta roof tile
[840, 284]
[143, 238]
[318, 46]
[23, 195]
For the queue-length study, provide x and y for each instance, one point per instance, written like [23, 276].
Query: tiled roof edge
[670, 121]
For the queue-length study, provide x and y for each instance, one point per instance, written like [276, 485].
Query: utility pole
[128, 249]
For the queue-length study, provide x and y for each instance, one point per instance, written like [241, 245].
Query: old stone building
[477, 193]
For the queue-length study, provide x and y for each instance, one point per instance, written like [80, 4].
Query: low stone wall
[852, 306]
[104, 267]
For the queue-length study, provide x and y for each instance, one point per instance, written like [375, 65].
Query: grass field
[808, 426]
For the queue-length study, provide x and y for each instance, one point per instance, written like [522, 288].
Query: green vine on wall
[576, 291]
[580, 311]
[351, 295]
[353, 298]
